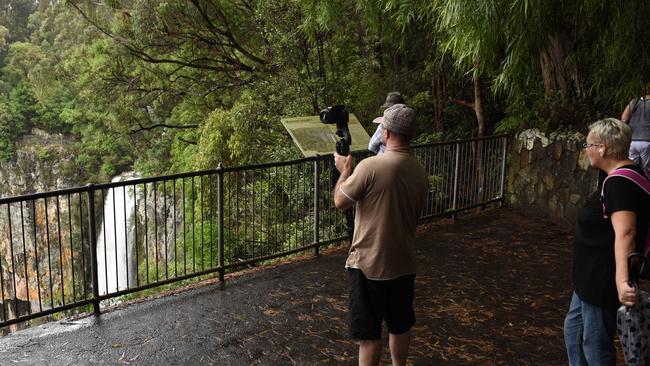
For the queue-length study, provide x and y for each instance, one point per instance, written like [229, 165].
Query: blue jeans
[589, 334]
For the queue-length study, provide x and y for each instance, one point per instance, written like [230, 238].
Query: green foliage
[14, 15]
[436, 184]
[102, 154]
[4, 32]
[170, 86]
[240, 135]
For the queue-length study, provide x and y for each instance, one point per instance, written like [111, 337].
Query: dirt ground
[492, 289]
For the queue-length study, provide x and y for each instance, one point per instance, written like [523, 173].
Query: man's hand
[343, 164]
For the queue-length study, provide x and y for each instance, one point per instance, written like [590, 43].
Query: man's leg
[369, 352]
[399, 347]
[365, 317]
[400, 317]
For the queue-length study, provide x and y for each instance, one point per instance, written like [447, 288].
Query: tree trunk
[438, 91]
[557, 74]
[478, 106]
[479, 147]
[379, 53]
[313, 94]
[361, 37]
[321, 58]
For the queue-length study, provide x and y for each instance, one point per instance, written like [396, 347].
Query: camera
[339, 115]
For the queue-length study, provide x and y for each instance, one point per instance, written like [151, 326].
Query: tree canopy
[174, 85]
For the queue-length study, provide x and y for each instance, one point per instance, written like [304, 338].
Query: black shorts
[372, 301]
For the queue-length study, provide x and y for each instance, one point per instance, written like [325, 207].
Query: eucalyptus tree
[14, 16]
[172, 49]
[567, 60]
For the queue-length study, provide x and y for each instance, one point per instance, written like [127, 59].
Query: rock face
[549, 175]
[42, 163]
[45, 246]
[35, 235]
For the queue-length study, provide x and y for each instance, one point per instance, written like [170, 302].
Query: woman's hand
[626, 293]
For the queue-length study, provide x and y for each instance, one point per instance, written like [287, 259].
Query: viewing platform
[492, 289]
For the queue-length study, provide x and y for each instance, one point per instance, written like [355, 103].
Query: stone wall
[549, 174]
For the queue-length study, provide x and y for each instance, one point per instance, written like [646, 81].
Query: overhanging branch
[160, 125]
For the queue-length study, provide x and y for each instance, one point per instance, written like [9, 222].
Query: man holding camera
[388, 191]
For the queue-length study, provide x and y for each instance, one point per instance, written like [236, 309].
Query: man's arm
[344, 166]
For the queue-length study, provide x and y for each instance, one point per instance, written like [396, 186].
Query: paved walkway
[492, 289]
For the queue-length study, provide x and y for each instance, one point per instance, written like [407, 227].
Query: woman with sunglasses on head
[606, 233]
[637, 115]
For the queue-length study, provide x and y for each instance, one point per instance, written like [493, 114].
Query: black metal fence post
[456, 171]
[316, 199]
[220, 225]
[502, 182]
[92, 236]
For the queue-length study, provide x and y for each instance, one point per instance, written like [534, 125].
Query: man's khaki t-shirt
[389, 192]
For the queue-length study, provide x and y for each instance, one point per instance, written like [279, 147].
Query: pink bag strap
[640, 181]
[629, 174]
[632, 175]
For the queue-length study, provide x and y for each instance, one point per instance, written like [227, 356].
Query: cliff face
[45, 253]
[43, 162]
[36, 236]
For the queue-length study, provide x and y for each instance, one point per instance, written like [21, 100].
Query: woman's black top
[593, 245]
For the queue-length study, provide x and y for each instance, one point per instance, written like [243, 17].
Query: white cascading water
[115, 257]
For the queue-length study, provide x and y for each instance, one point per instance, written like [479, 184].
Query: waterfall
[116, 265]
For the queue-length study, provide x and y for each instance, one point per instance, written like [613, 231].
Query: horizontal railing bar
[98, 186]
[213, 270]
[158, 283]
[442, 143]
[282, 254]
[40, 195]
[40, 314]
[450, 212]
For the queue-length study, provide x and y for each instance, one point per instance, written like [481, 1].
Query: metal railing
[73, 248]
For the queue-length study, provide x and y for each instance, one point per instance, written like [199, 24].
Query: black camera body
[339, 115]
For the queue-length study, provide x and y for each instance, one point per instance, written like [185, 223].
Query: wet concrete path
[492, 289]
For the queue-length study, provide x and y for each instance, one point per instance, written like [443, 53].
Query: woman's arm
[627, 113]
[624, 223]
